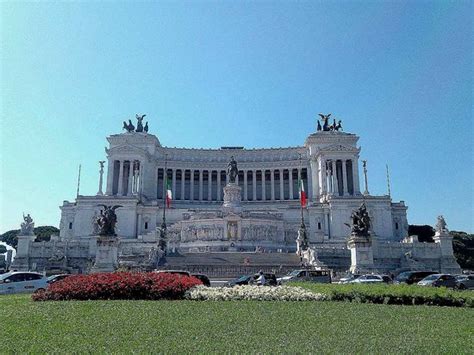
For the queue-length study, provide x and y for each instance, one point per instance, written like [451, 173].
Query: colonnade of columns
[339, 177]
[124, 177]
[256, 184]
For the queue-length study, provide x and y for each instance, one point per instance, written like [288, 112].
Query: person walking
[261, 279]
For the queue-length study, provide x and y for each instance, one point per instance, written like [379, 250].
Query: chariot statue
[139, 123]
[232, 170]
[107, 220]
[28, 226]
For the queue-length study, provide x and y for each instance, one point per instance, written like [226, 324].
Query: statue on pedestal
[28, 225]
[232, 170]
[441, 225]
[107, 220]
[325, 120]
[360, 222]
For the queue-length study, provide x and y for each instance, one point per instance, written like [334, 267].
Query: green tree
[43, 233]
[463, 247]
[3, 249]
[425, 233]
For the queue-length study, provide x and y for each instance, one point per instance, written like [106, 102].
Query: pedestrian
[261, 279]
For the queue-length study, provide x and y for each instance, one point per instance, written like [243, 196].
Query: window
[70, 225]
[396, 225]
[16, 278]
[31, 277]
[146, 225]
[319, 225]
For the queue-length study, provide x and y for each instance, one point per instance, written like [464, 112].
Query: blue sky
[253, 74]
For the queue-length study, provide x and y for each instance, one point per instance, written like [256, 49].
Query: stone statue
[28, 226]
[319, 126]
[107, 220]
[146, 127]
[139, 123]
[232, 170]
[338, 126]
[441, 225]
[129, 127]
[302, 239]
[325, 119]
[360, 221]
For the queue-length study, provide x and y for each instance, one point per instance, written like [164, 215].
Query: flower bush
[250, 292]
[119, 285]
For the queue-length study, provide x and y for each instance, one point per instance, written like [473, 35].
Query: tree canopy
[3, 249]
[43, 233]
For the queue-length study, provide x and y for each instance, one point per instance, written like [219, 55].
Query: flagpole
[303, 226]
[163, 224]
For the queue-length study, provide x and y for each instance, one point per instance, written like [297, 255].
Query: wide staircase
[227, 265]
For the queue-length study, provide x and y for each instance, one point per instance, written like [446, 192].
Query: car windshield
[294, 273]
[461, 277]
[403, 276]
[431, 277]
[243, 278]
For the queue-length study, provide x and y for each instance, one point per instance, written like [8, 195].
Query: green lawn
[203, 327]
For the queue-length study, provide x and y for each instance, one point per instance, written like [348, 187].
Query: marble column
[264, 192]
[219, 188]
[324, 180]
[272, 184]
[201, 184]
[335, 185]
[183, 180]
[101, 177]
[191, 185]
[355, 176]
[140, 176]
[120, 180]
[282, 188]
[110, 176]
[245, 186]
[173, 183]
[290, 183]
[254, 180]
[130, 178]
[344, 177]
[209, 185]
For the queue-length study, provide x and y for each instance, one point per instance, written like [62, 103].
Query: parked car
[321, 276]
[270, 280]
[465, 282]
[368, 279]
[22, 282]
[412, 277]
[387, 279]
[438, 280]
[204, 279]
[55, 278]
[180, 272]
[348, 278]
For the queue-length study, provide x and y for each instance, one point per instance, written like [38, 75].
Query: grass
[392, 294]
[243, 327]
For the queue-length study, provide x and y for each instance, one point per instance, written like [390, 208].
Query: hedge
[392, 294]
[119, 286]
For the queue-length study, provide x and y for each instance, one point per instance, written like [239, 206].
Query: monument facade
[234, 200]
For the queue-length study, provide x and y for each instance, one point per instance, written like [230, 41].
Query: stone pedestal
[232, 198]
[21, 262]
[106, 257]
[447, 263]
[362, 257]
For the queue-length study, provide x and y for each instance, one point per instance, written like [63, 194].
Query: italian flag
[302, 193]
[169, 194]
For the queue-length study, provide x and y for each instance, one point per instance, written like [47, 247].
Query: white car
[368, 279]
[22, 282]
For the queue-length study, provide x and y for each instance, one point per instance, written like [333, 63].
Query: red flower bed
[119, 286]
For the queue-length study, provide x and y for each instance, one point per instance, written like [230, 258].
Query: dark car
[204, 279]
[412, 277]
[55, 278]
[270, 280]
[439, 280]
[465, 282]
